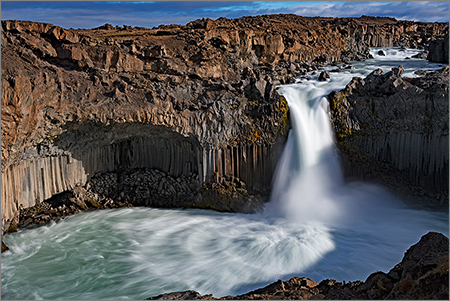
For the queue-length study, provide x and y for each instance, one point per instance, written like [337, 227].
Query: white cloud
[428, 11]
[92, 14]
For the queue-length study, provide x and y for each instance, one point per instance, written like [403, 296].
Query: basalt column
[55, 168]
[253, 164]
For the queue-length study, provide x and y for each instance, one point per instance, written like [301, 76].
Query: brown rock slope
[421, 275]
[195, 101]
[394, 131]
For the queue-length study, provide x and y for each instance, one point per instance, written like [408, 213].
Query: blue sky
[89, 14]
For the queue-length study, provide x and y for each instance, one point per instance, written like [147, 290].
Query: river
[315, 225]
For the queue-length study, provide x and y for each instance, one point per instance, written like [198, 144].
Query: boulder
[4, 247]
[421, 55]
[324, 75]
[186, 295]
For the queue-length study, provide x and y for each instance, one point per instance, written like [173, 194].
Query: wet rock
[186, 295]
[324, 75]
[381, 53]
[4, 247]
[421, 55]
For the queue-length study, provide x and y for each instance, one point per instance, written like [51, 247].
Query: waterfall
[309, 169]
[308, 183]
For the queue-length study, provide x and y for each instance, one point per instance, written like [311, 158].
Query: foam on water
[315, 226]
[140, 252]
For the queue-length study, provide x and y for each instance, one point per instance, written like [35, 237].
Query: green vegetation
[127, 34]
[12, 227]
[254, 136]
[338, 109]
[284, 107]
[380, 285]
[118, 34]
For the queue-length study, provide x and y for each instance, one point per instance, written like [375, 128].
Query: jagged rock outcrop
[394, 130]
[188, 100]
[421, 275]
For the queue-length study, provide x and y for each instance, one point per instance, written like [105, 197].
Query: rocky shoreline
[421, 275]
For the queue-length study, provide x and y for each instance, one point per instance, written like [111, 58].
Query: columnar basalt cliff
[195, 101]
[394, 130]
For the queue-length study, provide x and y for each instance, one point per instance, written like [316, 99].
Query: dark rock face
[394, 131]
[422, 274]
[438, 50]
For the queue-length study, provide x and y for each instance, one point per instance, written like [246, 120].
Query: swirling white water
[315, 226]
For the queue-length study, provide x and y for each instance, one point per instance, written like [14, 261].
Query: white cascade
[309, 168]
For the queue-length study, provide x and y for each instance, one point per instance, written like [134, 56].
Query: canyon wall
[394, 131]
[197, 100]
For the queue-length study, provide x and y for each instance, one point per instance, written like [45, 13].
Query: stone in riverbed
[324, 75]
[4, 247]
[186, 295]
[421, 55]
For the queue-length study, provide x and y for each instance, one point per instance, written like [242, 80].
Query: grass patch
[126, 34]
[117, 34]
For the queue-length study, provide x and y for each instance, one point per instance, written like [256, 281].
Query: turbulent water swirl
[315, 226]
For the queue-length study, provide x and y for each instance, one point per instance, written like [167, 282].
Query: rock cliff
[195, 101]
[421, 275]
[394, 130]
[438, 50]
